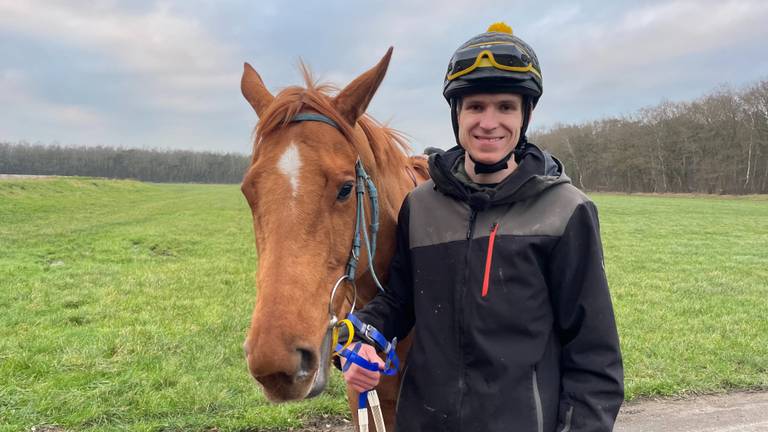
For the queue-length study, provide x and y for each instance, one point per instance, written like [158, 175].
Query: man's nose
[489, 119]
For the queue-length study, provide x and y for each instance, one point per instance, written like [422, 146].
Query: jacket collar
[536, 171]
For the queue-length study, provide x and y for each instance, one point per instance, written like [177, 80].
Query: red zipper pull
[488, 258]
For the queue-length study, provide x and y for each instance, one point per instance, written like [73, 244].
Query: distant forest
[717, 144]
[162, 166]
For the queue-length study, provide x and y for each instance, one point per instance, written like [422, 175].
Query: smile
[488, 139]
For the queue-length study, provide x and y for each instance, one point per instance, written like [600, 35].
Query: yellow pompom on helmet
[493, 62]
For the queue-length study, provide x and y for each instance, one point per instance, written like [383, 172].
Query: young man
[499, 266]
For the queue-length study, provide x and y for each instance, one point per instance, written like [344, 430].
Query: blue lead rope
[371, 334]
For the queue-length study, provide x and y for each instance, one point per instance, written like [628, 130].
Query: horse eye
[344, 191]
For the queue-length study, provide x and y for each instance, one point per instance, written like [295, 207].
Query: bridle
[363, 182]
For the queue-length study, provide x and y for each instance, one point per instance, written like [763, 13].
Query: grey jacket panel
[545, 215]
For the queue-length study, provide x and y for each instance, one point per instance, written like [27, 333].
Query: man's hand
[362, 380]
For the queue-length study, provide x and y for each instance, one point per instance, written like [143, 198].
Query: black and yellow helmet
[494, 61]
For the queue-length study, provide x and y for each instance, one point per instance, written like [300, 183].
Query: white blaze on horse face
[290, 165]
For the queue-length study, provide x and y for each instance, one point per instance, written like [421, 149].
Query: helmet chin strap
[518, 151]
[482, 168]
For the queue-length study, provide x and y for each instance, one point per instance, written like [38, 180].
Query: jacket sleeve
[592, 375]
[391, 312]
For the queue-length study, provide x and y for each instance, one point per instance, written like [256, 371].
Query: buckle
[368, 333]
[373, 336]
[390, 352]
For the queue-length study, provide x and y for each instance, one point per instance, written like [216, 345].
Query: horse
[299, 187]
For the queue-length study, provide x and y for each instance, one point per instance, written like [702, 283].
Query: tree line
[717, 144]
[174, 166]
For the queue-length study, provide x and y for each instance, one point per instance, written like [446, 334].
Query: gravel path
[732, 412]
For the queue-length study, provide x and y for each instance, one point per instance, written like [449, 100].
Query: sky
[166, 74]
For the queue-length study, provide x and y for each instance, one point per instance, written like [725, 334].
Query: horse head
[301, 191]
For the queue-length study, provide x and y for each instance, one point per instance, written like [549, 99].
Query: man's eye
[344, 191]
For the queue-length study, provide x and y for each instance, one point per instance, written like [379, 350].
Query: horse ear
[354, 99]
[254, 90]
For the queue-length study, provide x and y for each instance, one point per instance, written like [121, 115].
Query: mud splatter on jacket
[514, 327]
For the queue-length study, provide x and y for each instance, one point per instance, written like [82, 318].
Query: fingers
[363, 384]
[361, 379]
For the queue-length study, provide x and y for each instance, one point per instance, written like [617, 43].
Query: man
[499, 266]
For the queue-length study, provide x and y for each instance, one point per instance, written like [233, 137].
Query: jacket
[505, 290]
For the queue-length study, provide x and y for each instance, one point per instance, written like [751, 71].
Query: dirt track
[733, 412]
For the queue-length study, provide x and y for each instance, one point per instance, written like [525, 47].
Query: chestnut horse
[300, 188]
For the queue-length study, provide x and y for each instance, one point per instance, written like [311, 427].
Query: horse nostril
[306, 363]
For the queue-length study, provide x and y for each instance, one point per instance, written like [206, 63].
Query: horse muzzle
[297, 373]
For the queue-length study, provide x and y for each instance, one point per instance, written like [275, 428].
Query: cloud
[167, 73]
[654, 34]
[175, 58]
[154, 41]
[653, 37]
[558, 16]
[610, 65]
[16, 92]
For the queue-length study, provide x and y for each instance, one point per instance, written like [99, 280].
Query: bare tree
[715, 144]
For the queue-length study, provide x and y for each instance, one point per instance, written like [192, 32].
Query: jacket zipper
[488, 258]
[460, 312]
[471, 225]
[537, 402]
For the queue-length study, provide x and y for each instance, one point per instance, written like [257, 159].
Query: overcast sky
[165, 74]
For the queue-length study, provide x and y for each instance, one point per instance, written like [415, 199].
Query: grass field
[123, 305]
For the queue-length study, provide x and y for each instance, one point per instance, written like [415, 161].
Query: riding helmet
[492, 62]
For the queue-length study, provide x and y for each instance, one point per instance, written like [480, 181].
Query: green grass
[124, 305]
[689, 279]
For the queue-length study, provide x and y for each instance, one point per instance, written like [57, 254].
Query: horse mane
[389, 146]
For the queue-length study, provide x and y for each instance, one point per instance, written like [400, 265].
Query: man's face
[489, 125]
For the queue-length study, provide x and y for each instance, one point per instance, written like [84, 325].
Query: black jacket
[514, 327]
